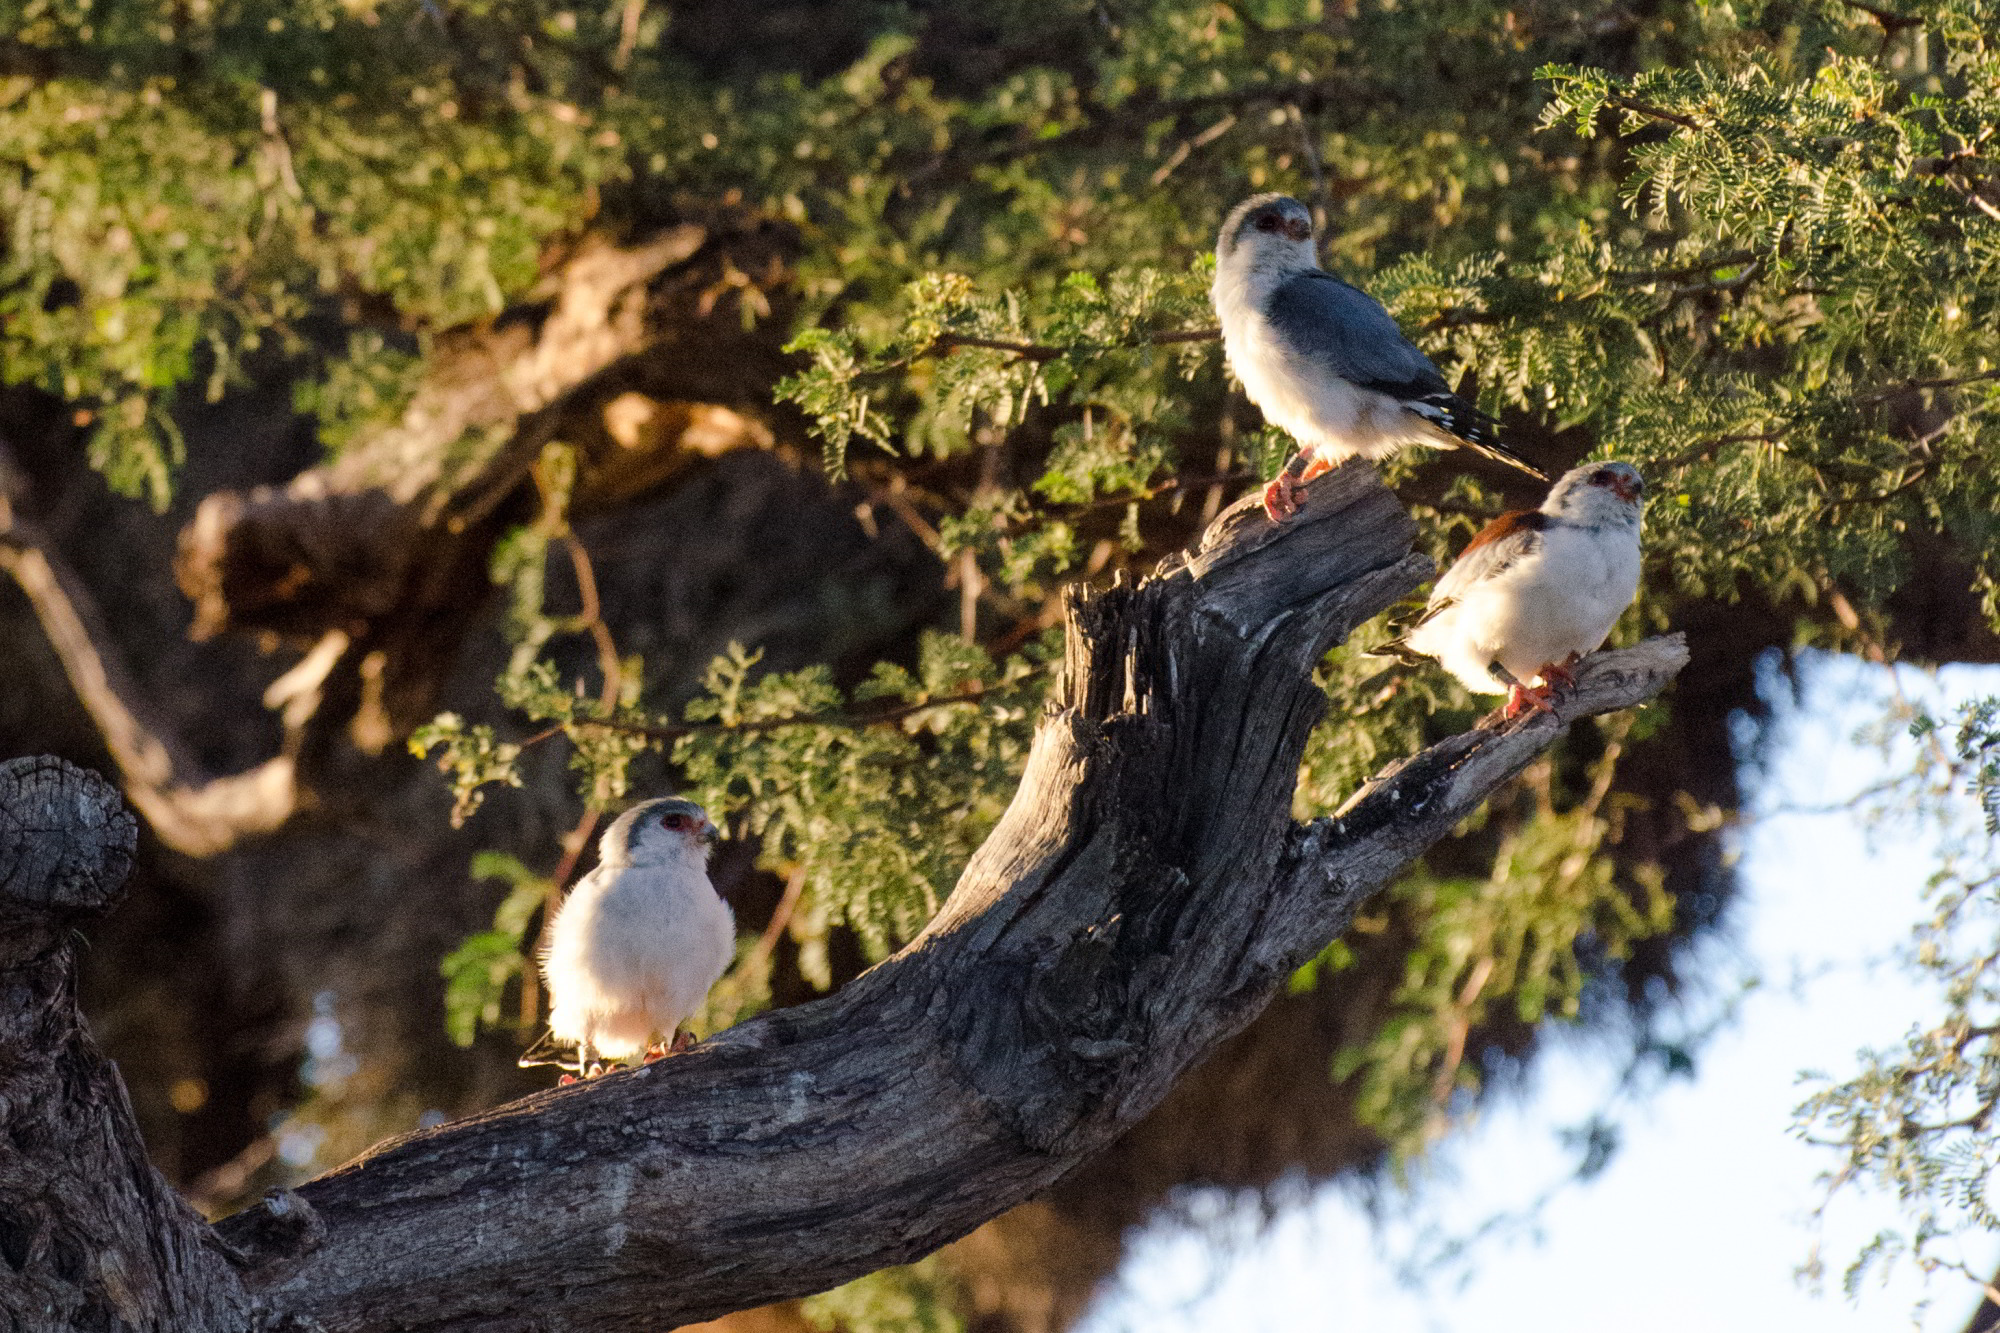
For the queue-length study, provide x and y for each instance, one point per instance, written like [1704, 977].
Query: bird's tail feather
[545, 1051]
[1500, 453]
[1472, 428]
[1400, 651]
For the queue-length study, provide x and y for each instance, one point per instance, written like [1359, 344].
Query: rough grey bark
[90, 1236]
[1145, 895]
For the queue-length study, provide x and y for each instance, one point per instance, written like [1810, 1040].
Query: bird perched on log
[1536, 589]
[1323, 359]
[638, 943]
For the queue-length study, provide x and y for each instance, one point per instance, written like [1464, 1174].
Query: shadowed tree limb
[90, 1236]
[189, 809]
[1143, 898]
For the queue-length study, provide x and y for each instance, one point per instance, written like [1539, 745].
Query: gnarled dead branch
[1145, 896]
[191, 810]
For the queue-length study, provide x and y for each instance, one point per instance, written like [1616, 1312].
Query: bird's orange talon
[1279, 502]
[1527, 699]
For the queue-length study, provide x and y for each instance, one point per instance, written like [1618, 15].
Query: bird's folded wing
[1343, 330]
[1507, 539]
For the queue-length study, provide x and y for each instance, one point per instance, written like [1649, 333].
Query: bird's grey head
[1598, 493]
[1267, 229]
[668, 828]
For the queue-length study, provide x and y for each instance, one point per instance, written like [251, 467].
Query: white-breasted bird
[637, 944]
[1323, 359]
[1536, 589]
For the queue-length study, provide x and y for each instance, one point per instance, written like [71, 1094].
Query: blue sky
[1703, 1217]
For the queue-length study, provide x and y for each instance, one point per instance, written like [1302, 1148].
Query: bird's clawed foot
[1527, 699]
[660, 1050]
[1557, 679]
[1287, 491]
[1560, 677]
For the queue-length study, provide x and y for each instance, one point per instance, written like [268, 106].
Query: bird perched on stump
[1536, 589]
[639, 941]
[1323, 359]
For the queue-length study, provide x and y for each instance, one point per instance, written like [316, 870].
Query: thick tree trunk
[1144, 897]
[90, 1236]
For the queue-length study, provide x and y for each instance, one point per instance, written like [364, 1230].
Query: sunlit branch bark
[1143, 898]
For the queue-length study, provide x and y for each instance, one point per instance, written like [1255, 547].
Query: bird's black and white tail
[545, 1051]
[1471, 428]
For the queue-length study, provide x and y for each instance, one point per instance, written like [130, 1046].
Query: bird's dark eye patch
[674, 822]
[1269, 222]
[1603, 477]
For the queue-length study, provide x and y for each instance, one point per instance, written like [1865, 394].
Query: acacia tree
[384, 305]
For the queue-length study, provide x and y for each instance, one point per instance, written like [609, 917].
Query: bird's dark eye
[1603, 477]
[674, 822]
[1268, 222]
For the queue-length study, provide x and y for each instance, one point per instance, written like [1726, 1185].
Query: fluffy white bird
[639, 941]
[1536, 589]
[1323, 359]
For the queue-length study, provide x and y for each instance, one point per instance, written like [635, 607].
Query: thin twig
[591, 618]
[1038, 352]
[1951, 382]
[781, 916]
[1188, 146]
[832, 719]
[1638, 107]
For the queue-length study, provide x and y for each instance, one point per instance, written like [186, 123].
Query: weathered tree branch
[352, 541]
[191, 810]
[90, 1236]
[379, 557]
[1144, 897]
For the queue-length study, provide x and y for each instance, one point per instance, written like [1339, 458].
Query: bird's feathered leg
[1520, 698]
[1288, 489]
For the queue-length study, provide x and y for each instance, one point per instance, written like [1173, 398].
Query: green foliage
[477, 973]
[191, 182]
[878, 818]
[472, 755]
[1918, 1121]
[919, 1298]
[1515, 941]
[1753, 248]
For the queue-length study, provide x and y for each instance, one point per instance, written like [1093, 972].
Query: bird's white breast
[1563, 598]
[633, 953]
[1326, 414]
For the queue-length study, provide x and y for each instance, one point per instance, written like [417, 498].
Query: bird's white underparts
[639, 942]
[1324, 360]
[1537, 589]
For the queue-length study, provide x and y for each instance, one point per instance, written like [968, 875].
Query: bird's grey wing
[1341, 329]
[1345, 332]
[1491, 552]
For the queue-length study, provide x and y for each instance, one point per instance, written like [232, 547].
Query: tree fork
[1144, 897]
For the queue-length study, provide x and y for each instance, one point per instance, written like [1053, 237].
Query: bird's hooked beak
[1629, 489]
[708, 833]
[1299, 229]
